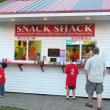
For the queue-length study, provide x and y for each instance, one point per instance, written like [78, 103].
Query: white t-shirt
[96, 67]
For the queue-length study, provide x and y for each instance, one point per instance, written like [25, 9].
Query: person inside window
[89, 52]
[74, 54]
[19, 53]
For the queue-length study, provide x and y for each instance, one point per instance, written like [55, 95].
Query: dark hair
[4, 65]
[19, 43]
[96, 50]
[72, 58]
[88, 49]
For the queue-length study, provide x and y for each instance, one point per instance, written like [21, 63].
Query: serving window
[87, 46]
[78, 49]
[34, 50]
[20, 51]
[27, 50]
[72, 49]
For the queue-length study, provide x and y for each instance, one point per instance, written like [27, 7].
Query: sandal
[89, 105]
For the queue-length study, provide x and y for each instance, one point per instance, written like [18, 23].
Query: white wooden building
[52, 80]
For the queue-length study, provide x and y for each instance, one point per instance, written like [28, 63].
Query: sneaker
[74, 98]
[67, 97]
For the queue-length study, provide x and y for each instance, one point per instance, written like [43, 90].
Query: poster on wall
[20, 50]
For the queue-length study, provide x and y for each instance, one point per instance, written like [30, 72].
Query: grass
[10, 108]
[2, 1]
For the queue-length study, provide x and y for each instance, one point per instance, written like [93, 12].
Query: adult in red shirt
[72, 71]
[2, 81]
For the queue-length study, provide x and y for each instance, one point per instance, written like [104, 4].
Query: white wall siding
[7, 41]
[52, 43]
[33, 80]
[52, 80]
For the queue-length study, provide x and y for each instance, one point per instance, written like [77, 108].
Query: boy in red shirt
[2, 81]
[72, 71]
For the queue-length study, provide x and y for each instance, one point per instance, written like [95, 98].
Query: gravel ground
[47, 102]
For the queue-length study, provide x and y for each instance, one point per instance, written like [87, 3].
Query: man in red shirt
[72, 71]
[2, 81]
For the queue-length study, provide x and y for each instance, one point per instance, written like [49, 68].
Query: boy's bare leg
[67, 92]
[73, 93]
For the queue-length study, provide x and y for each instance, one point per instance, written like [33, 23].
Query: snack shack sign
[55, 30]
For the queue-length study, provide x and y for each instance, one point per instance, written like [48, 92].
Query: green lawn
[10, 108]
[2, 0]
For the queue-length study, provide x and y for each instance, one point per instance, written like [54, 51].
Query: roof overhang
[54, 17]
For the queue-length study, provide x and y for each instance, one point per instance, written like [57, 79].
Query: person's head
[96, 50]
[71, 59]
[19, 43]
[89, 49]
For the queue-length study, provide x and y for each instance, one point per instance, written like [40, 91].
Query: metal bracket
[41, 66]
[63, 66]
[20, 66]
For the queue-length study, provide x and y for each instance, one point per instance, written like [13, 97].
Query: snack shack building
[38, 36]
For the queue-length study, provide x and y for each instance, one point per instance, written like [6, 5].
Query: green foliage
[10, 108]
[2, 1]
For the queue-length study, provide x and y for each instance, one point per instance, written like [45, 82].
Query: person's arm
[104, 72]
[66, 69]
[86, 68]
[0, 76]
[1, 72]
[86, 73]
[66, 72]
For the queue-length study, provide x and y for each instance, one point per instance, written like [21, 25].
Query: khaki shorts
[91, 87]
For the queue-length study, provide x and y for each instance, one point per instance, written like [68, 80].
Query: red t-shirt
[72, 71]
[2, 76]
